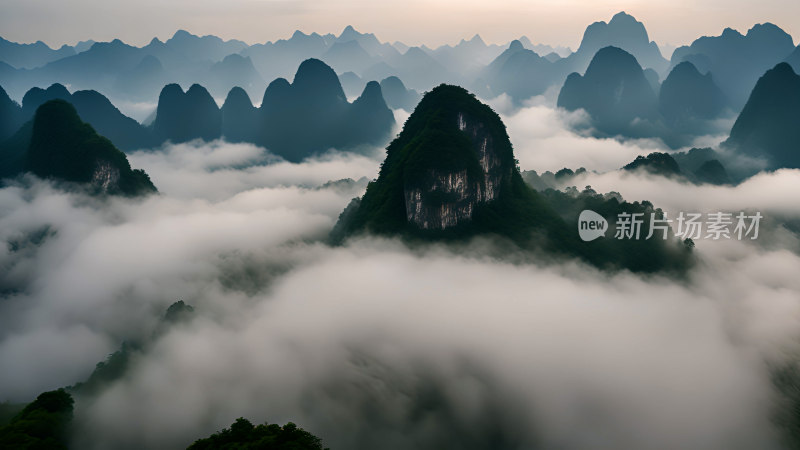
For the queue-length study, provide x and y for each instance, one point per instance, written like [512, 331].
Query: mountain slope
[687, 96]
[95, 108]
[10, 116]
[769, 124]
[622, 31]
[736, 60]
[63, 147]
[614, 91]
[311, 114]
[182, 117]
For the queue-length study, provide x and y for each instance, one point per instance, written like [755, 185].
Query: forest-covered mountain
[451, 175]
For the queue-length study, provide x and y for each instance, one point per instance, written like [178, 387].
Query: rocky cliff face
[443, 198]
[452, 160]
[105, 176]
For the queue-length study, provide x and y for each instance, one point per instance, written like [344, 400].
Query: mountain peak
[182, 34]
[622, 16]
[452, 155]
[516, 45]
[314, 77]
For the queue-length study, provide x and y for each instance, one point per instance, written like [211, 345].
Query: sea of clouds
[376, 345]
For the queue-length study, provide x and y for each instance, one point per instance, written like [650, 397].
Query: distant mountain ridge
[736, 60]
[295, 120]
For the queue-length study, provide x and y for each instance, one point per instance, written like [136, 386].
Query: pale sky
[556, 22]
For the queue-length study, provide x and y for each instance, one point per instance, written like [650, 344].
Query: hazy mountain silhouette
[240, 119]
[182, 117]
[10, 116]
[36, 97]
[145, 78]
[687, 97]
[29, 56]
[397, 96]
[370, 119]
[544, 49]
[280, 59]
[95, 109]
[348, 56]
[416, 67]
[63, 147]
[312, 114]
[794, 59]
[82, 46]
[200, 48]
[622, 31]
[737, 61]
[520, 73]
[467, 58]
[614, 91]
[768, 125]
[235, 70]
[712, 172]
[352, 84]
[366, 41]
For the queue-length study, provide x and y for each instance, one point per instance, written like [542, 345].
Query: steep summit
[181, 117]
[451, 168]
[625, 32]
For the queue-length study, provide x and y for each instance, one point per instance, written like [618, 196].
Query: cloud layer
[374, 344]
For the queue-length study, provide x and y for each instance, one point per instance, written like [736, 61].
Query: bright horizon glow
[414, 22]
